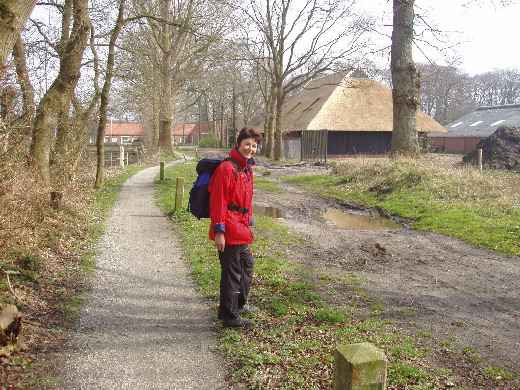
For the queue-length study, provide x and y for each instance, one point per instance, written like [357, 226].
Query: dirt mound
[501, 150]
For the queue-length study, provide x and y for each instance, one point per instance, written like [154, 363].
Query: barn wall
[359, 142]
[454, 144]
[292, 148]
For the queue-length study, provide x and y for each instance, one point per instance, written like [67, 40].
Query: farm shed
[356, 114]
[466, 132]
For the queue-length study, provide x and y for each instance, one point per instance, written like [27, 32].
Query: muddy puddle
[272, 212]
[346, 220]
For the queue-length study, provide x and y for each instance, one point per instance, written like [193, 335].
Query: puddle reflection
[272, 212]
[339, 218]
[356, 221]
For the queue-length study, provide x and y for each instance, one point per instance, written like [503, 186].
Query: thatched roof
[337, 103]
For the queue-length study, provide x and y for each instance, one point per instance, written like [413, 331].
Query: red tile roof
[187, 128]
[125, 129]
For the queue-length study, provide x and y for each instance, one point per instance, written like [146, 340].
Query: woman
[231, 213]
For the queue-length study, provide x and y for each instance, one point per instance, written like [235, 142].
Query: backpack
[198, 203]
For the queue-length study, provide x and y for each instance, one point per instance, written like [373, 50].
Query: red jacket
[225, 191]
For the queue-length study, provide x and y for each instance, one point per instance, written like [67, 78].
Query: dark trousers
[236, 265]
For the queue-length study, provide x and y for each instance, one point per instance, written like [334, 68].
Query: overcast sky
[488, 34]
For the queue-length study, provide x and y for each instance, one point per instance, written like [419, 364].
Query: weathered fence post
[179, 194]
[479, 151]
[122, 156]
[161, 172]
[359, 367]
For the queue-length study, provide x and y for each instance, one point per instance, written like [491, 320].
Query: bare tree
[28, 98]
[498, 87]
[59, 95]
[105, 94]
[13, 17]
[176, 43]
[445, 92]
[303, 40]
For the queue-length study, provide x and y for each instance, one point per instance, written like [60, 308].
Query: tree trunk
[13, 17]
[278, 141]
[165, 129]
[105, 95]
[26, 120]
[269, 130]
[406, 82]
[60, 92]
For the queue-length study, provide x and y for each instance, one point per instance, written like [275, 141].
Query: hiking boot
[248, 309]
[237, 322]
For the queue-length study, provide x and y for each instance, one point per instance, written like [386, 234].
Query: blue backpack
[199, 195]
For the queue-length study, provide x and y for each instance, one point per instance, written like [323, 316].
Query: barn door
[314, 145]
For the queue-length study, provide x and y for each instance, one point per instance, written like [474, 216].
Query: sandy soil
[429, 283]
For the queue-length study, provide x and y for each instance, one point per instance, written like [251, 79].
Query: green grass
[305, 312]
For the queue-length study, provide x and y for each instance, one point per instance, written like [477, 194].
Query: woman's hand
[220, 241]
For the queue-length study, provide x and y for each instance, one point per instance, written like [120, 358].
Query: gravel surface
[144, 324]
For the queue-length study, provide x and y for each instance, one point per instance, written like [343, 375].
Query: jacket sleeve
[219, 188]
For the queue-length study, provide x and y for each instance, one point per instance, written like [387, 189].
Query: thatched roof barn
[356, 112]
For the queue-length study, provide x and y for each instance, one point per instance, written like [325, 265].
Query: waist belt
[234, 207]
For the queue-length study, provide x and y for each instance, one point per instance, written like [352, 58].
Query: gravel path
[144, 324]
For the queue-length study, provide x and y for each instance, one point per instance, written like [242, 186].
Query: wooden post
[122, 156]
[179, 194]
[359, 367]
[479, 151]
[161, 172]
[196, 152]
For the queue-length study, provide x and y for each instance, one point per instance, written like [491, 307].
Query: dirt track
[464, 296]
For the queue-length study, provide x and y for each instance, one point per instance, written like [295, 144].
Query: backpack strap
[237, 168]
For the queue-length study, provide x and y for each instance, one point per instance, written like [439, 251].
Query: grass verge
[306, 312]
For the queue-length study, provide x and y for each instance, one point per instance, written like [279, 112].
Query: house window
[497, 122]
[476, 123]
[106, 139]
[457, 124]
[114, 140]
[125, 140]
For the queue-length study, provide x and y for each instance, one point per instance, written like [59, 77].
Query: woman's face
[247, 148]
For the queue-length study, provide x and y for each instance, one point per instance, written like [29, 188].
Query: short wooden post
[479, 151]
[161, 172]
[196, 152]
[179, 194]
[122, 156]
[359, 367]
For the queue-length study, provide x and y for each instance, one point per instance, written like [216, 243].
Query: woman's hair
[248, 132]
